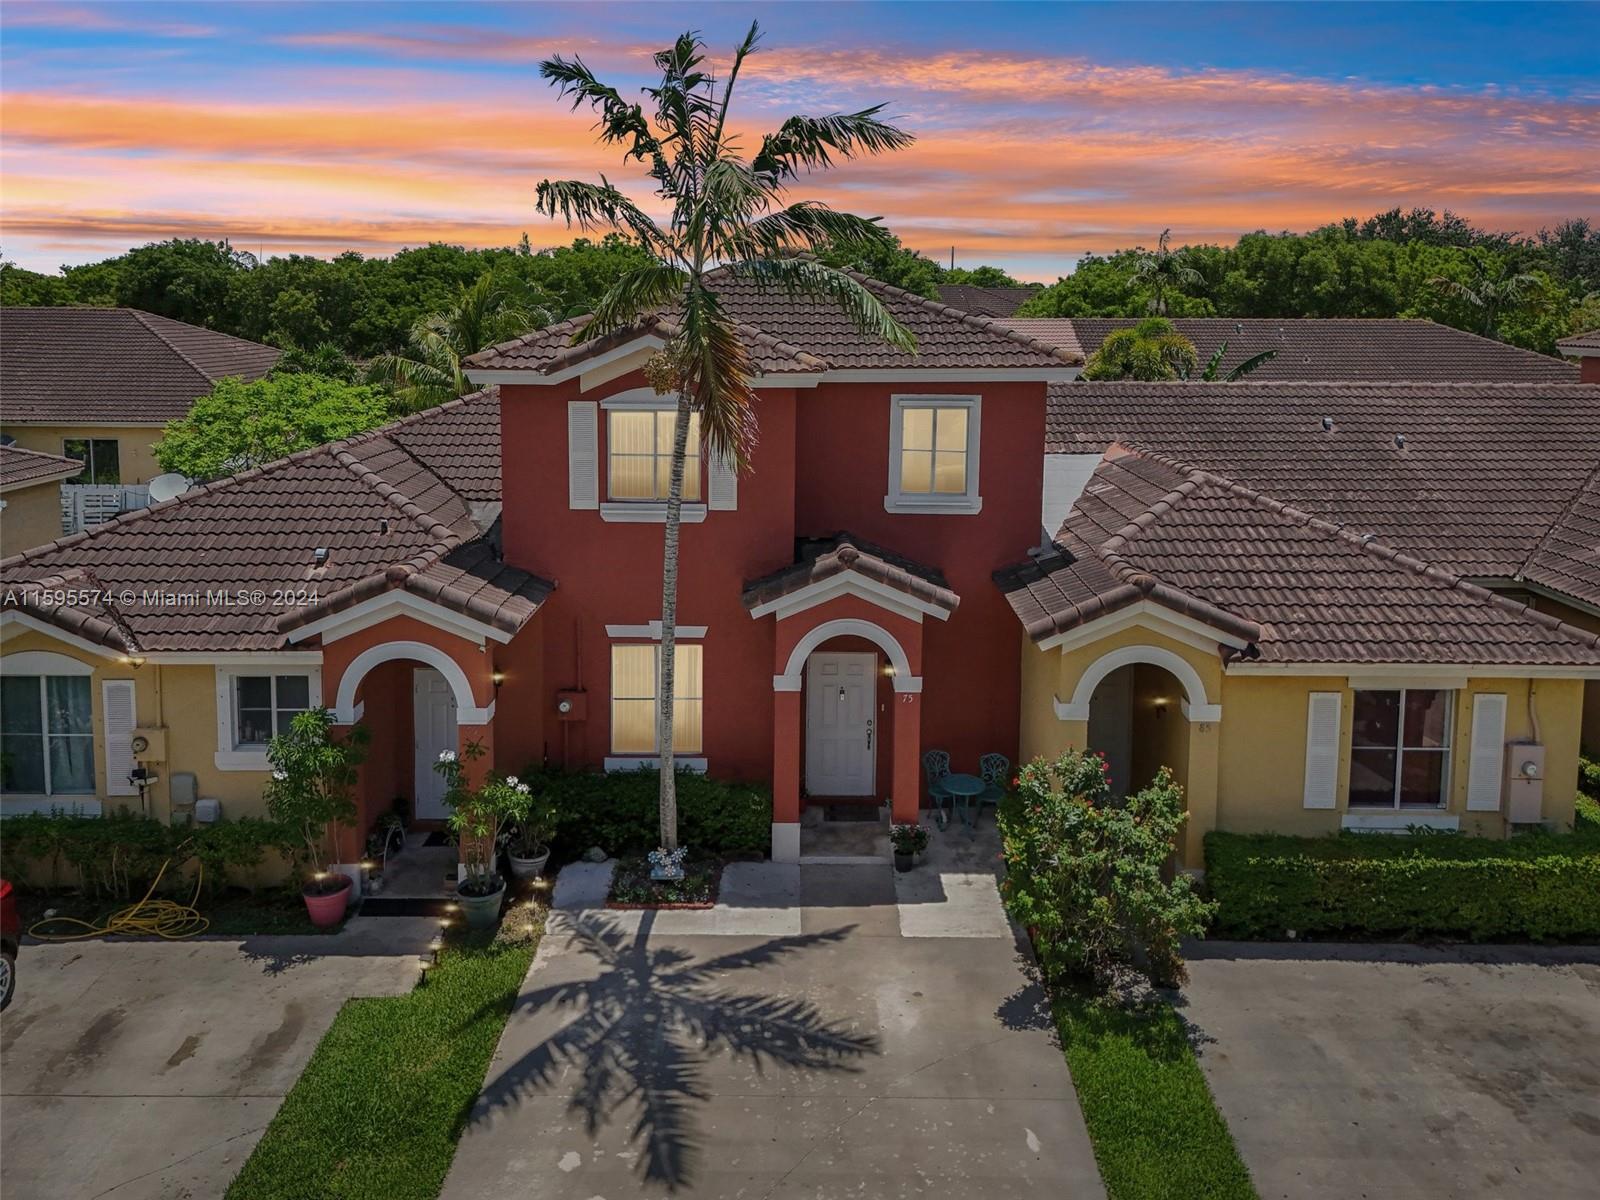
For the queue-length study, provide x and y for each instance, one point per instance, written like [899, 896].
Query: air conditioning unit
[1524, 783]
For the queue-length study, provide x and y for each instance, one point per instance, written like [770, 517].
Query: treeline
[363, 306]
[1528, 291]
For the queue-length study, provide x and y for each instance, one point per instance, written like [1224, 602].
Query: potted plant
[312, 775]
[908, 842]
[529, 845]
[480, 819]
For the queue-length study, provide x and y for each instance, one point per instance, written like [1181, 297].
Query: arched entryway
[1136, 720]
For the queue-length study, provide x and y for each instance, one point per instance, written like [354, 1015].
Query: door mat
[851, 812]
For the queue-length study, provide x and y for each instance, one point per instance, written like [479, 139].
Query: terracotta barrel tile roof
[20, 468]
[820, 559]
[986, 301]
[1581, 343]
[108, 366]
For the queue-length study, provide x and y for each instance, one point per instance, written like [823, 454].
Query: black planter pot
[904, 862]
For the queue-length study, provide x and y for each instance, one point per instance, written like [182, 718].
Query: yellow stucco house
[98, 385]
[30, 497]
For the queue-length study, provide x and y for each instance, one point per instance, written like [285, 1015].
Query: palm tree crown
[727, 218]
[1495, 287]
[1162, 271]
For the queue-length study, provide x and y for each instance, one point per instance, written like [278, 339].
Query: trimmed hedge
[1535, 886]
[620, 812]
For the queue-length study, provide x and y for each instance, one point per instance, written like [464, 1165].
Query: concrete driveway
[1404, 1072]
[821, 1034]
[136, 1069]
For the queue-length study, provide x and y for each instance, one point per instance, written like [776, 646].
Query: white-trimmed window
[1400, 748]
[254, 703]
[635, 684]
[639, 455]
[933, 454]
[47, 734]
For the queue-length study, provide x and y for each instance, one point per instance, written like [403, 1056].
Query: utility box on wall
[1524, 783]
[572, 706]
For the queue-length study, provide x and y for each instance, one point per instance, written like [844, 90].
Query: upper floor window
[100, 458]
[933, 454]
[639, 455]
[1400, 748]
[265, 704]
[46, 735]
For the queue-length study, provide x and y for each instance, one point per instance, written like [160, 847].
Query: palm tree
[729, 221]
[1495, 288]
[1213, 369]
[1151, 350]
[431, 373]
[1161, 271]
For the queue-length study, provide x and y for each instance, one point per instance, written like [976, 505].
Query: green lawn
[1157, 1134]
[384, 1099]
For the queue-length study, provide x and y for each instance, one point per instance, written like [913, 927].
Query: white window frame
[231, 756]
[1446, 752]
[650, 635]
[44, 673]
[641, 511]
[967, 502]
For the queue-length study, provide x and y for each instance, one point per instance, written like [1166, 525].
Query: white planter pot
[530, 867]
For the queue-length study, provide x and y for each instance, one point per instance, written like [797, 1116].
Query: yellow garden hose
[160, 918]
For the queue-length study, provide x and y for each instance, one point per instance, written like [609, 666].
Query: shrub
[1535, 886]
[1086, 872]
[312, 777]
[118, 856]
[620, 812]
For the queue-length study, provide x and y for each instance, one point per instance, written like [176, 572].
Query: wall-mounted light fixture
[1161, 706]
[497, 678]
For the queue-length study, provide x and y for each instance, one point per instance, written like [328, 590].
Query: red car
[10, 933]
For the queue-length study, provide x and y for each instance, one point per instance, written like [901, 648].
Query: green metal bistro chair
[936, 765]
[995, 771]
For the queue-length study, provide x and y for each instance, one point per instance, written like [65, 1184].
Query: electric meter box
[1524, 783]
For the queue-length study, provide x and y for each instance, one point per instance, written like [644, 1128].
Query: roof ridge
[1577, 495]
[139, 315]
[225, 482]
[523, 339]
[971, 320]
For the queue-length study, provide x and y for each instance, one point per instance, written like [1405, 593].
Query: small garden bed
[632, 887]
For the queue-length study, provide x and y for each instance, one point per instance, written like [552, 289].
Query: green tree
[980, 277]
[1161, 272]
[313, 775]
[730, 219]
[239, 425]
[430, 372]
[889, 262]
[1495, 287]
[1151, 350]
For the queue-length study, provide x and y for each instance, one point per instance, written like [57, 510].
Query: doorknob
[869, 733]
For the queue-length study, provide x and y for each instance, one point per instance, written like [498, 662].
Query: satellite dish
[168, 487]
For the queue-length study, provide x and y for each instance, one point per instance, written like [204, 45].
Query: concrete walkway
[144, 1070]
[827, 1030]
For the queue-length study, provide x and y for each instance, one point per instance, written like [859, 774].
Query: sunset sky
[1043, 131]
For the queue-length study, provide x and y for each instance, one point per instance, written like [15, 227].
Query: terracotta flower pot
[327, 908]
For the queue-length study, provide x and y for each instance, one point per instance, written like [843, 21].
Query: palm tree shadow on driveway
[645, 1026]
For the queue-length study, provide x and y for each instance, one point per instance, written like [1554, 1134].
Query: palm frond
[716, 377]
[807, 277]
[630, 297]
[809, 143]
[1253, 363]
[807, 225]
[595, 205]
[619, 120]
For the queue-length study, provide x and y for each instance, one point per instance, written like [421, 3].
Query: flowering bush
[481, 817]
[908, 839]
[312, 776]
[1085, 870]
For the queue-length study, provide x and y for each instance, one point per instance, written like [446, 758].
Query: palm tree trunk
[669, 629]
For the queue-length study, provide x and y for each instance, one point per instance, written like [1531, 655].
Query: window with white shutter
[119, 715]
[722, 483]
[1488, 749]
[583, 454]
[1322, 750]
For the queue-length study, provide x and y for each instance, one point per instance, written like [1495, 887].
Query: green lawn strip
[1156, 1132]
[384, 1099]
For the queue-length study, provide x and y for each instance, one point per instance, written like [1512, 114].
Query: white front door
[433, 730]
[841, 733]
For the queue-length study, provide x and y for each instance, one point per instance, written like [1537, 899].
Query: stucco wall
[136, 459]
[32, 517]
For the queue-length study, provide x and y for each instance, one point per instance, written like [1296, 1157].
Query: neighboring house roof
[1581, 345]
[21, 468]
[1485, 471]
[797, 335]
[1329, 348]
[986, 301]
[1292, 587]
[821, 559]
[407, 507]
[113, 366]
